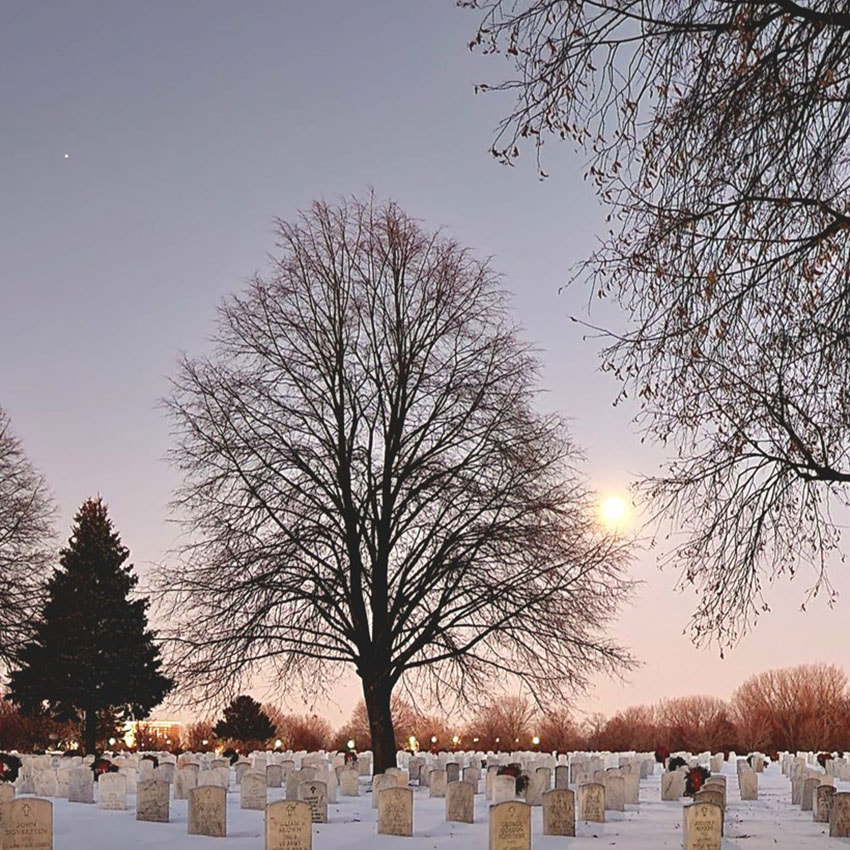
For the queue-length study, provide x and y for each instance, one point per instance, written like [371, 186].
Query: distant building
[153, 734]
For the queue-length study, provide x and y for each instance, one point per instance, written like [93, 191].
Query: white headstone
[438, 780]
[152, 799]
[504, 789]
[253, 792]
[559, 812]
[315, 794]
[703, 827]
[349, 782]
[591, 802]
[27, 824]
[208, 811]
[839, 816]
[380, 782]
[186, 779]
[289, 826]
[510, 826]
[460, 802]
[615, 793]
[112, 791]
[45, 782]
[395, 811]
[81, 785]
[274, 775]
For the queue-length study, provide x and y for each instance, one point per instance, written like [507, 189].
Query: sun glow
[614, 511]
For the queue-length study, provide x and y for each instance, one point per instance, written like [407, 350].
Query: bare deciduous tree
[303, 731]
[368, 485]
[633, 728]
[695, 723]
[797, 708]
[407, 722]
[198, 737]
[592, 728]
[26, 532]
[719, 135]
[504, 724]
[558, 730]
[28, 733]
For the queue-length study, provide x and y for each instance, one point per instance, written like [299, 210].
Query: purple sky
[187, 127]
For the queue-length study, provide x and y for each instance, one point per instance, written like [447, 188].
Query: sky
[145, 150]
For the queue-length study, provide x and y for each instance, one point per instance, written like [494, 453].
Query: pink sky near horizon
[145, 152]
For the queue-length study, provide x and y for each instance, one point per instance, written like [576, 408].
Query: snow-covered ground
[770, 823]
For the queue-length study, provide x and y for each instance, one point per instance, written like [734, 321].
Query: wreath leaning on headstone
[101, 765]
[514, 770]
[10, 766]
[231, 755]
[823, 758]
[695, 779]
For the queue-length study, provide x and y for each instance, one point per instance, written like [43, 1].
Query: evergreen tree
[245, 721]
[92, 651]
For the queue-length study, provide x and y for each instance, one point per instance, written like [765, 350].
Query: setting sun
[613, 511]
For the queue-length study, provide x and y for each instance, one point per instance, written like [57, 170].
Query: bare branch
[718, 135]
[26, 537]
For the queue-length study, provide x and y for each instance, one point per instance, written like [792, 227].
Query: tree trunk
[377, 693]
[90, 731]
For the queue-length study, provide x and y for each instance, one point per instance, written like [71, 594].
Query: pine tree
[92, 651]
[245, 721]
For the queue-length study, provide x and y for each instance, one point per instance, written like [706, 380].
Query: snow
[771, 822]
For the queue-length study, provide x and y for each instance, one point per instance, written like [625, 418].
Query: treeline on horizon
[799, 708]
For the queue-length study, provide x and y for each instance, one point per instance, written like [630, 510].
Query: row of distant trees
[799, 708]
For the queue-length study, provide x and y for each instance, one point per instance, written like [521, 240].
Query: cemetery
[795, 802]
[544, 479]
